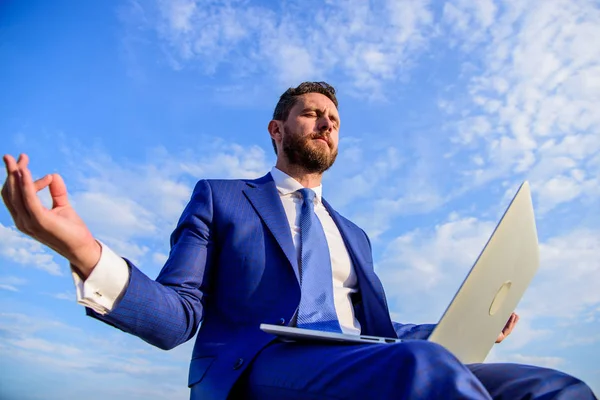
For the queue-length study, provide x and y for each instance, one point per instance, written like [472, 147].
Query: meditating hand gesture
[59, 228]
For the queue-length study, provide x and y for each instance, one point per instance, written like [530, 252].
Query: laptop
[489, 294]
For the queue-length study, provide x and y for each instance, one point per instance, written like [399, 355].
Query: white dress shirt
[344, 279]
[109, 278]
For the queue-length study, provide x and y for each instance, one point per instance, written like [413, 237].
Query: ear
[275, 130]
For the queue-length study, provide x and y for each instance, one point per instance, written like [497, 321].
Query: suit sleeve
[413, 331]
[167, 312]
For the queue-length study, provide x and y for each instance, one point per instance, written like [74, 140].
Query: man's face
[311, 133]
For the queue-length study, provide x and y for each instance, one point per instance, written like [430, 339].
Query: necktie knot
[308, 195]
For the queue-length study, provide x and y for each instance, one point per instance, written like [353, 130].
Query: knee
[422, 354]
[428, 370]
[423, 349]
[560, 385]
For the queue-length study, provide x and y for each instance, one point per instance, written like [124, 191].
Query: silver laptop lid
[496, 283]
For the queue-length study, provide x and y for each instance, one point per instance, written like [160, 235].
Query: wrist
[86, 259]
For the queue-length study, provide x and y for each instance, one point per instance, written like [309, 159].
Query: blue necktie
[317, 308]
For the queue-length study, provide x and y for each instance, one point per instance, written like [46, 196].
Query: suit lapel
[262, 194]
[357, 257]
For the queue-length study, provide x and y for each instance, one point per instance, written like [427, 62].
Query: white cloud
[11, 283]
[23, 325]
[368, 44]
[533, 95]
[580, 340]
[431, 265]
[26, 251]
[469, 20]
[541, 361]
[112, 212]
[36, 344]
[133, 250]
[50, 348]
[377, 182]
[68, 295]
[227, 161]
[360, 172]
[160, 258]
[569, 275]
[558, 189]
[419, 199]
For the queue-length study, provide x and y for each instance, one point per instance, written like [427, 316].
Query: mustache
[323, 136]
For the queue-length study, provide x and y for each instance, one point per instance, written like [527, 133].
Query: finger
[39, 184]
[12, 193]
[9, 161]
[23, 160]
[7, 202]
[10, 165]
[509, 326]
[511, 320]
[513, 323]
[508, 322]
[42, 183]
[30, 199]
[58, 191]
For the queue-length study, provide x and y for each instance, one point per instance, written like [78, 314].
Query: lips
[322, 138]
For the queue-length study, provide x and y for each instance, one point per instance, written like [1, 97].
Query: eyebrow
[320, 111]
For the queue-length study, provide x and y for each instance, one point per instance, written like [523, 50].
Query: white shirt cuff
[106, 283]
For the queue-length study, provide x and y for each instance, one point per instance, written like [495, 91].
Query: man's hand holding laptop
[510, 325]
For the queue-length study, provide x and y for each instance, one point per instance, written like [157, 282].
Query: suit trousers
[413, 369]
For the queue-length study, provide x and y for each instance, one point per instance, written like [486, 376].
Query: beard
[300, 151]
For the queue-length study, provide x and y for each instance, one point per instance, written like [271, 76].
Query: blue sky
[446, 107]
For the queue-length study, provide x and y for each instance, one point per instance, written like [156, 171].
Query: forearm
[164, 316]
[166, 312]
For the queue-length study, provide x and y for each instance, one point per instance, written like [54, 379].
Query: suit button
[238, 363]
[281, 321]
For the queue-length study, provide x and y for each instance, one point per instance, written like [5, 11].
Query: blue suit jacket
[232, 267]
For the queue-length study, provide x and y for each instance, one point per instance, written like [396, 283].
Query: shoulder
[227, 185]
[217, 190]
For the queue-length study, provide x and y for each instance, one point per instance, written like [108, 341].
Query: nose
[325, 124]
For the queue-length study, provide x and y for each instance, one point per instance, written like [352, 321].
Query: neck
[306, 179]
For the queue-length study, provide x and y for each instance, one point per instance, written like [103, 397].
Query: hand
[59, 228]
[510, 325]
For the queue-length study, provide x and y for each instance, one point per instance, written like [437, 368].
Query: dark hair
[289, 98]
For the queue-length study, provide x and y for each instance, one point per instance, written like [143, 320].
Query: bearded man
[270, 250]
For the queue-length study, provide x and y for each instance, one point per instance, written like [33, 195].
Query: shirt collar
[287, 185]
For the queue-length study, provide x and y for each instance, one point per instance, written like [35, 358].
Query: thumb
[58, 191]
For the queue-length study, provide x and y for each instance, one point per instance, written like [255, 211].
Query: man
[269, 250]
